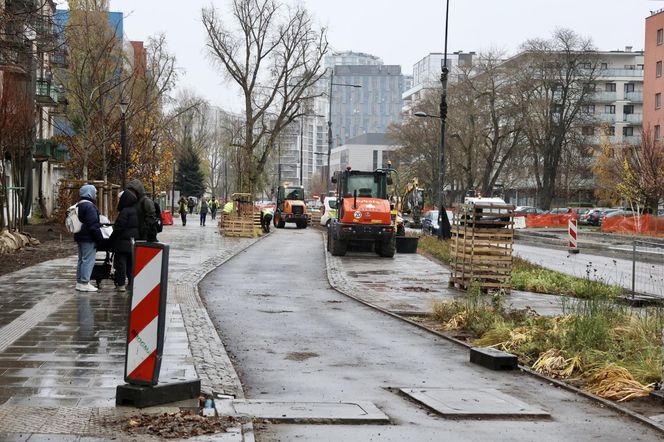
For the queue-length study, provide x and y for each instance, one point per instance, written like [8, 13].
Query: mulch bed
[55, 243]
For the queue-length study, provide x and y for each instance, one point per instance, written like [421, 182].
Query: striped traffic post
[147, 316]
[145, 333]
[573, 245]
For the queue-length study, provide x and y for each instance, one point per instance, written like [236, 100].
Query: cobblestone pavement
[62, 352]
[411, 283]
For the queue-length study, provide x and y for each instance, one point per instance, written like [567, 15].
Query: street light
[444, 229]
[329, 124]
[123, 142]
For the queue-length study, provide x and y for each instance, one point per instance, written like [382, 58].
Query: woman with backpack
[87, 238]
[125, 230]
[204, 210]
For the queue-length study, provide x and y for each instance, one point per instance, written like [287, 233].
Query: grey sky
[400, 32]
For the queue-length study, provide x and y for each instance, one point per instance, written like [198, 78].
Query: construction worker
[213, 204]
[228, 207]
[266, 219]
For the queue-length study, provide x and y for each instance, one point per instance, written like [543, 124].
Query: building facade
[426, 74]
[653, 81]
[365, 152]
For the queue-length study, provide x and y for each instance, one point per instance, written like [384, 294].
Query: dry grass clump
[609, 350]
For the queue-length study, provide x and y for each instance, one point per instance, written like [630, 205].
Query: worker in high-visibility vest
[228, 207]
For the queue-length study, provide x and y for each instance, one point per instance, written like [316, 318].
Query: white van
[329, 210]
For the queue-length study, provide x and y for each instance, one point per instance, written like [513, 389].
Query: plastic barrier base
[140, 396]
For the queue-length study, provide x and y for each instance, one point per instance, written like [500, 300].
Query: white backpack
[72, 222]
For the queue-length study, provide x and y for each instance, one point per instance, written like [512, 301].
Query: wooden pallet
[314, 217]
[247, 226]
[481, 249]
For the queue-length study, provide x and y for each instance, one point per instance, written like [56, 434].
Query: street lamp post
[329, 124]
[123, 142]
[444, 229]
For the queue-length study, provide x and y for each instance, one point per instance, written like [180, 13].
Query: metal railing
[648, 271]
[636, 96]
[633, 118]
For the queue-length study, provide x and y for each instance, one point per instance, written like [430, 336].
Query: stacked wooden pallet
[482, 241]
[241, 226]
[314, 217]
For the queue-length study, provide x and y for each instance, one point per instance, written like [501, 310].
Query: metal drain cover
[304, 412]
[472, 403]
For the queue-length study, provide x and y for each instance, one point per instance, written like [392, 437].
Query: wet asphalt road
[294, 338]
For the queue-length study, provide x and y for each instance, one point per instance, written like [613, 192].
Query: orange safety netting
[549, 220]
[644, 224]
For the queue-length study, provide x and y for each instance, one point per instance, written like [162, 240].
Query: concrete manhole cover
[471, 403]
[304, 412]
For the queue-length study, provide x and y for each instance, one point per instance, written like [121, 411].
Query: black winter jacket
[126, 224]
[89, 217]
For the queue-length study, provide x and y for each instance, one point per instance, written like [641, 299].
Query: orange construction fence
[643, 224]
[549, 220]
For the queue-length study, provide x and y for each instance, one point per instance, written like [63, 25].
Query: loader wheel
[387, 249]
[338, 247]
[279, 223]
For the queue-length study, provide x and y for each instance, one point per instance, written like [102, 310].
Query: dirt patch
[54, 244]
[301, 356]
[178, 425]
[416, 289]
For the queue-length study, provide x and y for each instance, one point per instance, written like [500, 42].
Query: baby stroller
[103, 268]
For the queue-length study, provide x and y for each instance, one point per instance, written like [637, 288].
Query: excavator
[291, 207]
[411, 204]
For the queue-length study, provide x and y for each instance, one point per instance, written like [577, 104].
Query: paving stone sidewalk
[411, 283]
[62, 352]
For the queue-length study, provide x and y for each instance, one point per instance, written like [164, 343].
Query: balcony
[636, 96]
[605, 118]
[604, 97]
[58, 59]
[612, 73]
[632, 140]
[48, 150]
[633, 118]
[45, 94]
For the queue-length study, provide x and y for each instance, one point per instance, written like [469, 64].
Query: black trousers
[183, 217]
[203, 216]
[213, 213]
[123, 268]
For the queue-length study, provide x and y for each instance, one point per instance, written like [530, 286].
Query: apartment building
[426, 74]
[653, 82]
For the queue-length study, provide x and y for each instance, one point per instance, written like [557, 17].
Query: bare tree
[274, 55]
[555, 80]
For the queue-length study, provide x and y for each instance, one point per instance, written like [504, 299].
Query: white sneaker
[120, 288]
[86, 288]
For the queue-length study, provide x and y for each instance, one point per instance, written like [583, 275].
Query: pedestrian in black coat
[125, 229]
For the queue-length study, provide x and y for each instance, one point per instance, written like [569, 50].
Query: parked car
[618, 212]
[595, 217]
[430, 221]
[560, 211]
[578, 211]
[329, 210]
[527, 210]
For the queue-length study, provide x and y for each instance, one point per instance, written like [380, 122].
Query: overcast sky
[399, 31]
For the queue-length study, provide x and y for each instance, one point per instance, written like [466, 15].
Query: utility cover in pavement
[304, 412]
[470, 403]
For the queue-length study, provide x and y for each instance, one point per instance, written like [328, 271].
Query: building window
[628, 109]
[658, 69]
[589, 109]
[628, 131]
[588, 87]
[375, 159]
[658, 100]
[604, 66]
[588, 131]
[657, 132]
[660, 36]
[610, 109]
[629, 87]
[611, 130]
[610, 87]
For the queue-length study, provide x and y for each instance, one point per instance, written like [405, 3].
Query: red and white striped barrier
[572, 232]
[145, 335]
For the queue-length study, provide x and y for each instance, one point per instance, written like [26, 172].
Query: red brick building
[653, 80]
